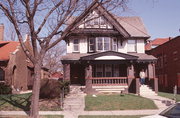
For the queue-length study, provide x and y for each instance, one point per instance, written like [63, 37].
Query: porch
[118, 69]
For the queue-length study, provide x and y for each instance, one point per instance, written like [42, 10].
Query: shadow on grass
[17, 101]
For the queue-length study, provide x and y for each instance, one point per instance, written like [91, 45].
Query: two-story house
[107, 50]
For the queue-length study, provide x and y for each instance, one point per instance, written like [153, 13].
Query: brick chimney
[1, 32]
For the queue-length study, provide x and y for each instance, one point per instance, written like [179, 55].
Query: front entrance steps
[145, 90]
[110, 89]
[74, 101]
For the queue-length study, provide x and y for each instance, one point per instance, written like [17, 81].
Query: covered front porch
[117, 70]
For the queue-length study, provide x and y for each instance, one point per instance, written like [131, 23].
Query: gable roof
[88, 56]
[126, 26]
[109, 53]
[156, 42]
[133, 25]
[7, 47]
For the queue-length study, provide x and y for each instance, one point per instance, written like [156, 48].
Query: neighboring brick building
[15, 68]
[156, 42]
[168, 64]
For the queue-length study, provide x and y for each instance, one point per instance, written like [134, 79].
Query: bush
[51, 88]
[5, 89]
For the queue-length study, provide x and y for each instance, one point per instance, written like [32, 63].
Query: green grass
[117, 102]
[22, 103]
[15, 102]
[44, 116]
[169, 95]
[109, 116]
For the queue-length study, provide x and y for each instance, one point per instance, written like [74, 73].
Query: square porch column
[88, 79]
[66, 73]
[131, 84]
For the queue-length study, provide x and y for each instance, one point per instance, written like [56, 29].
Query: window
[103, 43]
[1, 74]
[91, 44]
[131, 46]
[108, 70]
[114, 44]
[99, 70]
[116, 70]
[76, 45]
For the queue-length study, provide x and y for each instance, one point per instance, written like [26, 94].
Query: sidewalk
[74, 106]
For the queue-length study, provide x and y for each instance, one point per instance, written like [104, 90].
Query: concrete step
[109, 86]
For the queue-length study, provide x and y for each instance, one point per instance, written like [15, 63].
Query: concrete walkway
[74, 106]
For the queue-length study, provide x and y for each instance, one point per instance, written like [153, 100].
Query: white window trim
[76, 45]
[103, 44]
[134, 45]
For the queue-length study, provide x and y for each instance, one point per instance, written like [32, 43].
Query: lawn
[117, 102]
[109, 116]
[169, 95]
[45, 116]
[22, 103]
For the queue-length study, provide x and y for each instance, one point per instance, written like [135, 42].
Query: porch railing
[105, 81]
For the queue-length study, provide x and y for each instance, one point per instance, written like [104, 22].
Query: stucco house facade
[107, 50]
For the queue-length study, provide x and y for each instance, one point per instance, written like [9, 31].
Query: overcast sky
[161, 17]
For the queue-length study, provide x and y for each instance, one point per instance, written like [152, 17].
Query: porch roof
[108, 55]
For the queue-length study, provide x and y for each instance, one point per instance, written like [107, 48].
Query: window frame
[103, 43]
[130, 44]
[76, 44]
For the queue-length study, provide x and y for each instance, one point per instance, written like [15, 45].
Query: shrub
[5, 89]
[51, 88]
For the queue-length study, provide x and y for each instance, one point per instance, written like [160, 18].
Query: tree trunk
[34, 111]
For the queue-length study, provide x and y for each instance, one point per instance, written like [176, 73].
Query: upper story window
[76, 45]
[103, 43]
[114, 44]
[131, 47]
[91, 44]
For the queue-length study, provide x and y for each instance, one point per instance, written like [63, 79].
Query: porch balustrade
[105, 81]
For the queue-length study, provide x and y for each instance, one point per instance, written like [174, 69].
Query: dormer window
[76, 45]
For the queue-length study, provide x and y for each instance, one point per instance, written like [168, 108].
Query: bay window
[103, 43]
[114, 44]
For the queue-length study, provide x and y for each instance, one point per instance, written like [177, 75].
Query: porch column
[130, 78]
[88, 79]
[151, 71]
[66, 73]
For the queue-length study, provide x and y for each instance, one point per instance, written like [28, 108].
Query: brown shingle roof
[7, 47]
[133, 25]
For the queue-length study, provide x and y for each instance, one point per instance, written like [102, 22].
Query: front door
[77, 74]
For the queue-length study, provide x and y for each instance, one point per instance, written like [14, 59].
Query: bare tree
[52, 59]
[43, 20]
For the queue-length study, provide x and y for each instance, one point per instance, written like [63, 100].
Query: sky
[160, 17]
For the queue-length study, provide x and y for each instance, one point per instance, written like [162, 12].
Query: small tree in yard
[44, 20]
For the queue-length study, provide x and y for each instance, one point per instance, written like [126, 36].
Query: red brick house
[107, 50]
[168, 64]
[156, 42]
